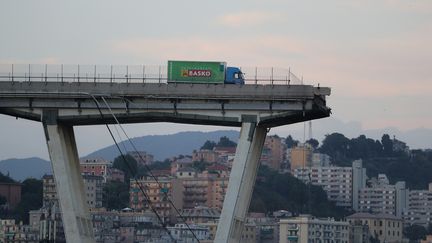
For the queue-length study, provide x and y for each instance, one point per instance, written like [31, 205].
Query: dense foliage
[200, 166]
[31, 198]
[274, 191]
[209, 145]
[157, 165]
[127, 164]
[290, 142]
[415, 233]
[115, 195]
[223, 142]
[6, 178]
[226, 142]
[379, 157]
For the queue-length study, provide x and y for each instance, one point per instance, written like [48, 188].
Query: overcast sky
[375, 55]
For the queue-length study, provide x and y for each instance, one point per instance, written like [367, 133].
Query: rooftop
[373, 216]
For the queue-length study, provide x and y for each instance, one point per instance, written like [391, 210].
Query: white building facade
[336, 182]
[419, 208]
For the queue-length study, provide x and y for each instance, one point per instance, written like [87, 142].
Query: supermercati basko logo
[196, 73]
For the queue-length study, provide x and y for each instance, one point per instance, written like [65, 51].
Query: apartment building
[93, 186]
[225, 154]
[320, 160]
[160, 195]
[12, 193]
[306, 228]
[336, 182]
[195, 192]
[419, 208]
[205, 155]
[266, 228]
[383, 198]
[47, 221]
[217, 190]
[96, 167]
[199, 214]
[386, 227]
[276, 152]
[378, 200]
[300, 156]
[94, 190]
[180, 163]
[182, 233]
[10, 231]
[249, 233]
[206, 191]
[49, 190]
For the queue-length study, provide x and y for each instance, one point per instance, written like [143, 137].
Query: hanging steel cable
[149, 170]
[134, 174]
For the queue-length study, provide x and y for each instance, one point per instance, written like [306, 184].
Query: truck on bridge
[203, 72]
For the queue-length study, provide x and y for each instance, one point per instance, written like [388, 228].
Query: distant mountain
[165, 146]
[20, 169]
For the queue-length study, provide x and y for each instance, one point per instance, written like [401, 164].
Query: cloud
[251, 18]
[417, 6]
[377, 68]
[244, 50]
[42, 60]
[405, 6]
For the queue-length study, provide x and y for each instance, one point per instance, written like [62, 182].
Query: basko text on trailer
[203, 72]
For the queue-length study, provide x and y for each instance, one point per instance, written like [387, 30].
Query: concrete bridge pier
[69, 183]
[241, 183]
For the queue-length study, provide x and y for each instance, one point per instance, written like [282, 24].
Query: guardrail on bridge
[126, 74]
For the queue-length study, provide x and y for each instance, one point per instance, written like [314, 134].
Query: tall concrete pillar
[241, 183]
[69, 183]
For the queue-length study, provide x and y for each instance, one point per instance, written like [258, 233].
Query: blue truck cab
[234, 75]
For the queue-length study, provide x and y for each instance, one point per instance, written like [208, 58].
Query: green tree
[209, 145]
[226, 142]
[415, 233]
[157, 165]
[363, 147]
[127, 164]
[31, 199]
[313, 142]
[274, 191]
[387, 145]
[161, 165]
[116, 195]
[200, 165]
[290, 142]
[336, 145]
[6, 178]
[379, 157]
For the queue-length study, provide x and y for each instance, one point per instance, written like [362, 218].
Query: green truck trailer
[203, 72]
